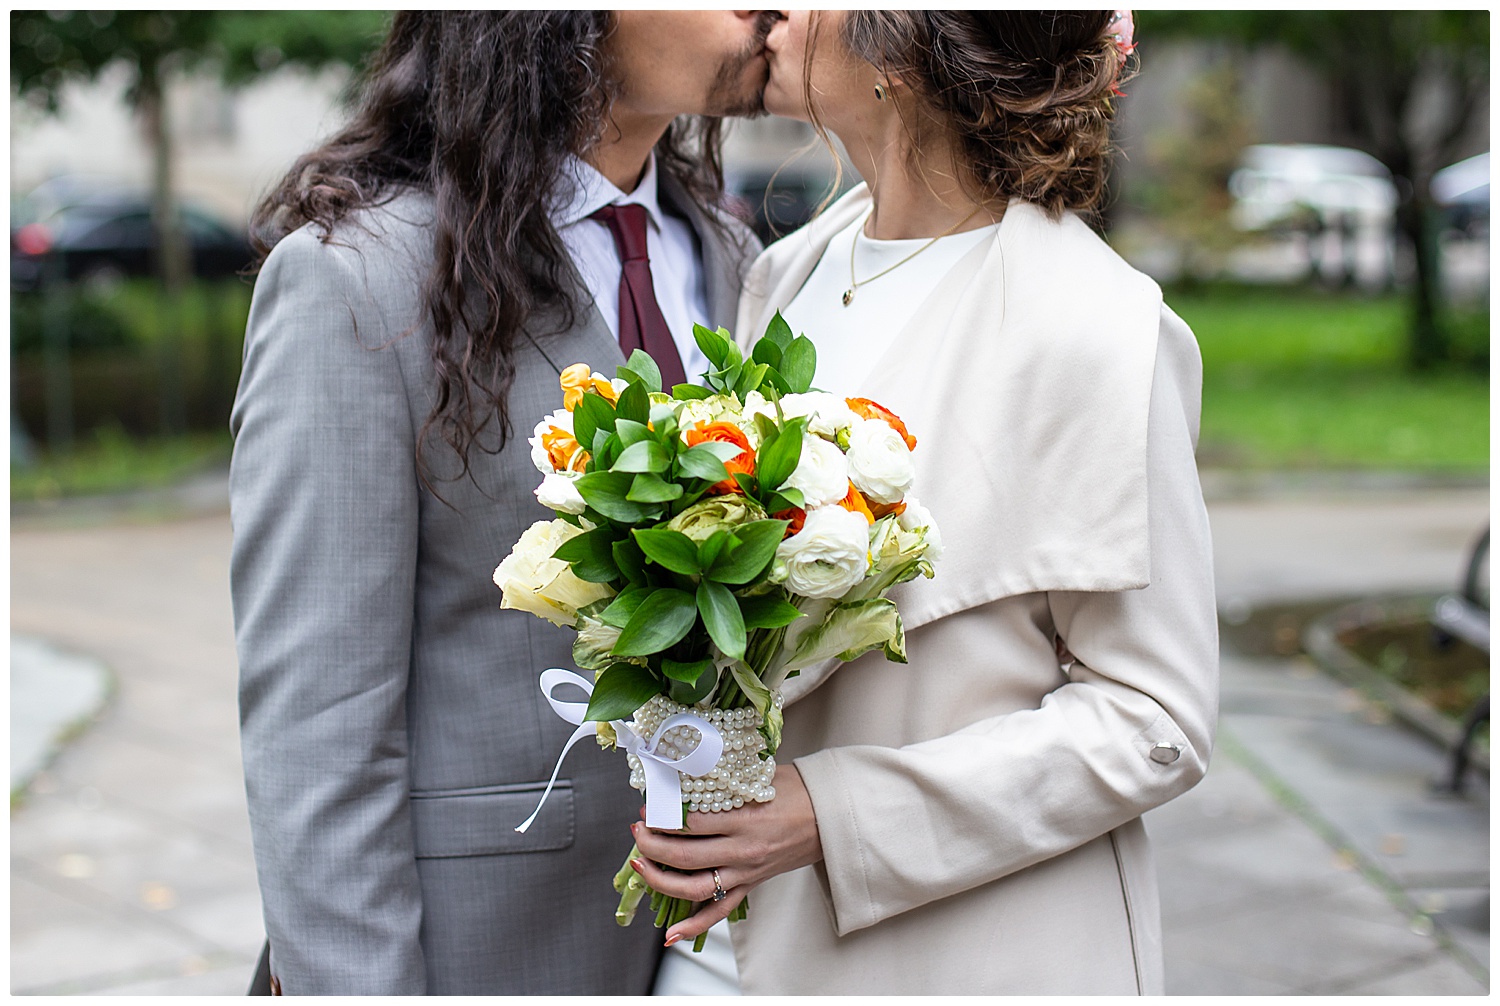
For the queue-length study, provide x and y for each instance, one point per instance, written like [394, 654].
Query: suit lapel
[722, 263]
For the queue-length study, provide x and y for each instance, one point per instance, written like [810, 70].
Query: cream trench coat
[979, 808]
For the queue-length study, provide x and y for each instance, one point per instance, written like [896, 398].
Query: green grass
[1302, 379]
[112, 462]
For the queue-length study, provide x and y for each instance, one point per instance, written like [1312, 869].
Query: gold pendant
[848, 296]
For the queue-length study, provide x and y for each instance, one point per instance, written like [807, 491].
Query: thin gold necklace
[855, 284]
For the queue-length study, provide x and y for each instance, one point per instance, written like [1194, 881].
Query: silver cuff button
[1165, 754]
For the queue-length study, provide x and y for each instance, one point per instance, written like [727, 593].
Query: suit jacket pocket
[482, 822]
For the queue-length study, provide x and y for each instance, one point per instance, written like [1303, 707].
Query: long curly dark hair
[480, 109]
[1028, 95]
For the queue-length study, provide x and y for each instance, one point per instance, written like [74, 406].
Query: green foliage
[49, 48]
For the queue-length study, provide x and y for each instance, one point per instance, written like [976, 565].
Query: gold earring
[880, 92]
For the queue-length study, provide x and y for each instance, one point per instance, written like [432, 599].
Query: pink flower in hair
[1122, 30]
[1122, 33]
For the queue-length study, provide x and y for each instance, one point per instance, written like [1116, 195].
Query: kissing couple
[519, 191]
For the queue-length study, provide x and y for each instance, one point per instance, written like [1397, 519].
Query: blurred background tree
[50, 49]
[1408, 82]
[1188, 189]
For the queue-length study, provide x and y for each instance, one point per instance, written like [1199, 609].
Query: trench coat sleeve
[324, 502]
[902, 827]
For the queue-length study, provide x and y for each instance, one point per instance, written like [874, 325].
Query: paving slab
[1311, 860]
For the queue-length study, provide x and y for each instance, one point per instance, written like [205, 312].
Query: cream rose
[531, 580]
[557, 492]
[822, 474]
[880, 465]
[829, 556]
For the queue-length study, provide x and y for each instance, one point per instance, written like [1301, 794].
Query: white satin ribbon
[663, 775]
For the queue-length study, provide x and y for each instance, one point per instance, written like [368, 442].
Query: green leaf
[620, 691]
[606, 492]
[631, 560]
[643, 456]
[660, 621]
[623, 606]
[694, 691]
[785, 500]
[722, 619]
[688, 392]
[764, 612]
[711, 547]
[798, 362]
[777, 460]
[689, 672]
[758, 541]
[634, 404]
[592, 413]
[642, 366]
[672, 549]
[767, 352]
[591, 555]
[715, 346]
[706, 460]
[631, 432]
[749, 485]
[778, 332]
[649, 488]
[750, 378]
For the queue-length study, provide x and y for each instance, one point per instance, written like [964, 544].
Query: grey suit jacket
[393, 730]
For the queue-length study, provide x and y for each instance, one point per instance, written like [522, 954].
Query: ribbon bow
[663, 775]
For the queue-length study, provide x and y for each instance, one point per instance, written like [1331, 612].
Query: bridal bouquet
[711, 542]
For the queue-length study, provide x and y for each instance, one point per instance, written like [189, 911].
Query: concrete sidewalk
[1312, 859]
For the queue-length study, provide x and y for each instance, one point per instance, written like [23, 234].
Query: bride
[971, 822]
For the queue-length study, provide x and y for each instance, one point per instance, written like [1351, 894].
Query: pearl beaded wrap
[741, 776]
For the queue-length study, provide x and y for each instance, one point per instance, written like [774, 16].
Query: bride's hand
[747, 846]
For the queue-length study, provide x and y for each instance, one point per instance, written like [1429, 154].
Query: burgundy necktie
[642, 325]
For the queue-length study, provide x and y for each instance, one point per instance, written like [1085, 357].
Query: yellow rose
[530, 579]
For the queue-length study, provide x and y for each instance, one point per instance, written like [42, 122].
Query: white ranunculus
[829, 555]
[563, 420]
[829, 413]
[822, 473]
[917, 517]
[879, 462]
[530, 579]
[557, 492]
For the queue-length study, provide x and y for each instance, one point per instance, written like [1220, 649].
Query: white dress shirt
[671, 245]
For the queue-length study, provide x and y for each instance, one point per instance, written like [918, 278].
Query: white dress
[850, 340]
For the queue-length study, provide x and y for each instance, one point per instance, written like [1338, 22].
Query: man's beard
[728, 95]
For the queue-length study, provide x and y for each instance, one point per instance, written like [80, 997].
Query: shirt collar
[591, 191]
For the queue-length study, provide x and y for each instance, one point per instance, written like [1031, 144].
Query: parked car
[1462, 192]
[1308, 185]
[110, 235]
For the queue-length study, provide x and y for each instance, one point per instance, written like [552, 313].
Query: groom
[429, 271]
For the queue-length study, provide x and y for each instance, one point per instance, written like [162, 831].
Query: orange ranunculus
[579, 378]
[855, 500]
[866, 409]
[879, 510]
[728, 433]
[796, 515]
[562, 450]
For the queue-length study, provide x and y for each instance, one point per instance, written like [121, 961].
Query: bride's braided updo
[1028, 95]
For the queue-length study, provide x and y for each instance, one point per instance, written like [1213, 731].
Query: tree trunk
[172, 262]
[1428, 343]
